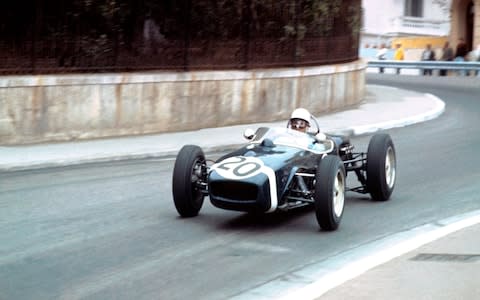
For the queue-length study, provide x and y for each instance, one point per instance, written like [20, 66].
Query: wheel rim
[339, 194]
[195, 177]
[390, 168]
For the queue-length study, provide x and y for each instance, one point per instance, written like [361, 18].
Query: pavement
[382, 108]
[437, 261]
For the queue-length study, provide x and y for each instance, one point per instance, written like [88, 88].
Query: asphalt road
[110, 231]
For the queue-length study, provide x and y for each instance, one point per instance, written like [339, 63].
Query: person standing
[476, 57]
[428, 55]
[382, 55]
[399, 55]
[153, 39]
[460, 54]
[447, 55]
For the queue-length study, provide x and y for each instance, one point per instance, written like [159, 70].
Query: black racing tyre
[187, 172]
[381, 167]
[330, 192]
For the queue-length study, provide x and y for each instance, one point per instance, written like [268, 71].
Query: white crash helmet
[302, 114]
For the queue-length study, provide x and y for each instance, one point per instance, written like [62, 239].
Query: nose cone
[250, 194]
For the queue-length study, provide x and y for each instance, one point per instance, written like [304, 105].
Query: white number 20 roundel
[239, 167]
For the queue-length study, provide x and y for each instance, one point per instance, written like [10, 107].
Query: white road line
[316, 279]
[351, 270]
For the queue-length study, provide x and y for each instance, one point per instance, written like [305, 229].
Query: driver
[300, 120]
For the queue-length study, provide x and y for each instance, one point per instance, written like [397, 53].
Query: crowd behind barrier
[423, 61]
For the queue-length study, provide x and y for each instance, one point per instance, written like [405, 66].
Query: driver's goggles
[299, 124]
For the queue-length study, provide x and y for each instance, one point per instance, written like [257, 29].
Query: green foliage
[216, 19]
[322, 18]
[211, 19]
[99, 30]
[355, 22]
[319, 15]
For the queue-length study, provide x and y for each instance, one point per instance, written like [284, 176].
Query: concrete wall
[45, 108]
[459, 30]
[476, 24]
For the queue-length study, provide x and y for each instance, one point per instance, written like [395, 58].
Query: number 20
[240, 167]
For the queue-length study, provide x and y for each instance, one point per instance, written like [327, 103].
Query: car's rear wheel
[381, 167]
[187, 173]
[330, 192]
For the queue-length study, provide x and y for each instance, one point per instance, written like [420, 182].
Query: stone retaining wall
[47, 108]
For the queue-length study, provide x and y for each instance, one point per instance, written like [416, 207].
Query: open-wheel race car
[283, 169]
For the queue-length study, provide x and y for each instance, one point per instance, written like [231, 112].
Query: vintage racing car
[283, 169]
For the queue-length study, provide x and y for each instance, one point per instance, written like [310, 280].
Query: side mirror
[249, 134]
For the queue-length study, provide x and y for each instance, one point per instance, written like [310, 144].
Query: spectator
[476, 57]
[399, 55]
[153, 39]
[382, 55]
[460, 54]
[428, 55]
[447, 55]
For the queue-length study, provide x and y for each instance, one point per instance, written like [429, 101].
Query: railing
[425, 65]
[57, 36]
[176, 55]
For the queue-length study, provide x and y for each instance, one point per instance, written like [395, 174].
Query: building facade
[420, 21]
[465, 20]
[383, 21]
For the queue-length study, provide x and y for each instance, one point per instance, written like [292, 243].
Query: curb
[423, 117]
[108, 158]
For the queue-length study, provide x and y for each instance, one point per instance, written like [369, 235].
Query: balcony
[419, 26]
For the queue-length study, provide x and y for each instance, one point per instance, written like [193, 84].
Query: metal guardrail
[425, 65]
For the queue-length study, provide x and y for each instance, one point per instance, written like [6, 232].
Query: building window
[414, 8]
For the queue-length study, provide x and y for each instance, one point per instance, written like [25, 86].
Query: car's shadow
[263, 221]
[252, 221]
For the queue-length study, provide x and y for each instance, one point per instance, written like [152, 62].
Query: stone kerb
[46, 108]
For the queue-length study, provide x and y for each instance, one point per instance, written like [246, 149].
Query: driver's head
[300, 119]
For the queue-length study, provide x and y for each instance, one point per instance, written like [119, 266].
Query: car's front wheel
[187, 173]
[330, 192]
[381, 167]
